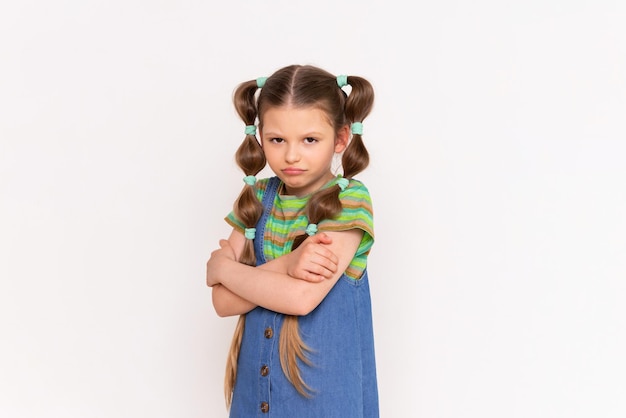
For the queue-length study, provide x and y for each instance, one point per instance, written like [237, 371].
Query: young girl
[294, 267]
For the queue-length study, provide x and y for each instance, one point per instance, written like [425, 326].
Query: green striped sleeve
[357, 213]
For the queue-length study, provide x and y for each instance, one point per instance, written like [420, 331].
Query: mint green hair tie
[356, 128]
[250, 130]
[311, 229]
[250, 233]
[249, 180]
[260, 82]
[342, 80]
[342, 182]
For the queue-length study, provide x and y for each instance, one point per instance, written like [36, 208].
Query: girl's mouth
[292, 171]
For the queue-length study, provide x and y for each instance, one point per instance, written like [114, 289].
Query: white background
[498, 142]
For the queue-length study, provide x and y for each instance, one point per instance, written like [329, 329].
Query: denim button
[265, 371]
[265, 407]
[269, 333]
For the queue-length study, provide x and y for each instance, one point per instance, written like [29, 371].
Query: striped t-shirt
[288, 220]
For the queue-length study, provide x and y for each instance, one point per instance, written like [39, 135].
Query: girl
[294, 267]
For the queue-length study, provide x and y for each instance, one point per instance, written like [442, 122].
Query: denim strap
[268, 202]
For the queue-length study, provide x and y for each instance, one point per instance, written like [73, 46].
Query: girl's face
[299, 144]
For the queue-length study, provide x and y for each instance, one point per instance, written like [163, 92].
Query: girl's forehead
[294, 113]
[295, 121]
[279, 114]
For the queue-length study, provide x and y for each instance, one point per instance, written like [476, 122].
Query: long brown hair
[302, 87]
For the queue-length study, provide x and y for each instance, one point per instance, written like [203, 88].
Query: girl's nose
[292, 155]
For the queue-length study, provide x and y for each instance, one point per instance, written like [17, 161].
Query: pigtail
[292, 350]
[247, 208]
[251, 159]
[325, 204]
[322, 205]
[231, 362]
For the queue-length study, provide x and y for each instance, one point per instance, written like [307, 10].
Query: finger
[327, 254]
[322, 267]
[329, 261]
[321, 238]
[224, 243]
[313, 278]
[323, 274]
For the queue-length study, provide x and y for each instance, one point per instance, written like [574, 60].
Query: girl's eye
[310, 140]
[277, 140]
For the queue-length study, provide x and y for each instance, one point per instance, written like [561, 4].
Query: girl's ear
[343, 136]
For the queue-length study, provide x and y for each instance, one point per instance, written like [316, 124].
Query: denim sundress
[340, 333]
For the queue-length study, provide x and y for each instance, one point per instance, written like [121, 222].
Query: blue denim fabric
[339, 330]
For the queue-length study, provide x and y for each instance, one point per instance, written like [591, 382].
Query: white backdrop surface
[498, 143]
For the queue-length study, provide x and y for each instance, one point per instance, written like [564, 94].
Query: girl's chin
[293, 187]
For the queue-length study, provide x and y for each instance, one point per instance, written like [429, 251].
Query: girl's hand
[222, 255]
[312, 261]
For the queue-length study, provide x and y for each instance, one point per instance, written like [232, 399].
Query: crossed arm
[293, 284]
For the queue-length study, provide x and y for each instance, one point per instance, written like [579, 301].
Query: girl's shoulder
[357, 213]
[356, 184]
[356, 190]
[261, 186]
